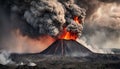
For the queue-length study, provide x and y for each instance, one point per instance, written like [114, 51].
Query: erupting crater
[68, 35]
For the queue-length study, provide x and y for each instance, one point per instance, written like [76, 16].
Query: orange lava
[76, 19]
[69, 35]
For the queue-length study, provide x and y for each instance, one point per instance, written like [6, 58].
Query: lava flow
[68, 35]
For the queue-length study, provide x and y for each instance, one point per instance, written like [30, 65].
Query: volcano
[60, 47]
[64, 50]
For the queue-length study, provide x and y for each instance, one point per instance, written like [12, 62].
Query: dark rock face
[67, 48]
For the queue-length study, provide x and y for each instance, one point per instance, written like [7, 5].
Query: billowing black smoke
[43, 17]
[46, 16]
[35, 18]
[38, 17]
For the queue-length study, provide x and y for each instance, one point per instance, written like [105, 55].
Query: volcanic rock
[68, 54]
[64, 48]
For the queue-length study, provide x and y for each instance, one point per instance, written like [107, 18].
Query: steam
[103, 26]
[4, 58]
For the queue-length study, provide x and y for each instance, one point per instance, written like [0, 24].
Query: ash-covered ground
[57, 62]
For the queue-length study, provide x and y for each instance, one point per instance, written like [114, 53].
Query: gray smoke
[75, 27]
[73, 10]
[102, 26]
[50, 16]
[39, 17]
[25, 22]
[46, 15]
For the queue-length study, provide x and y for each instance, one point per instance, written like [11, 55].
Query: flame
[69, 35]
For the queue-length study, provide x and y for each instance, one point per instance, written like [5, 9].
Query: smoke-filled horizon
[102, 28]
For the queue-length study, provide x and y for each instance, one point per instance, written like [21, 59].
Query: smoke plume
[29, 23]
[39, 20]
[46, 16]
[35, 18]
